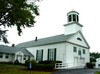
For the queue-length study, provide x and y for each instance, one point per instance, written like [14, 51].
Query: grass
[97, 72]
[12, 69]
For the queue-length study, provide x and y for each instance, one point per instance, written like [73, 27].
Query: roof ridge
[45, 41]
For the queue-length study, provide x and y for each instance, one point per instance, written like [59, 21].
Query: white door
[19, 57]
[75, 61]
[82, 61]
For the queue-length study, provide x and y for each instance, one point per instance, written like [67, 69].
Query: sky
[53, 15]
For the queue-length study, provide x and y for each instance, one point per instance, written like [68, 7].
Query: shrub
[45, 62]
[33, 62]
[90, 65]
[43, 67]
[49, 62]
[16, 62]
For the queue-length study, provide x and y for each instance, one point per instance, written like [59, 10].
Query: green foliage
[97, 73]
[3, 36]
[42, 65]
[94, 56]
[18, 69]
[18, 13]
[33, 62]
[90, 65]
[49, 62]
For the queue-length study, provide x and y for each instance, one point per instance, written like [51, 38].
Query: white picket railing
[68, 65]
[60, 65]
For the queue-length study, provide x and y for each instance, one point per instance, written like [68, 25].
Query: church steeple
[73, 24]
[73, 16]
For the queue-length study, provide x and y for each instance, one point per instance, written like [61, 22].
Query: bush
[49, 62]
[33, 62]
[16, 62]
[41, 65]
[90, 65]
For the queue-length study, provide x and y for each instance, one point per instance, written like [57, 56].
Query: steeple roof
[72, 12]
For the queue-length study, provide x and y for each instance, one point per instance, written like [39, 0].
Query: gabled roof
[52, 40]
[13, 50]
[88, 47]
[45, 41]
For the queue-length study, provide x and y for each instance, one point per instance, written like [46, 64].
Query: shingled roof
[45, 41]
[13, 50]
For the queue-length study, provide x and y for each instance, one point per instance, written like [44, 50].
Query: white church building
[71, 47]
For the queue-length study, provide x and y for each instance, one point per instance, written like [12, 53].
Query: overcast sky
[53, 17]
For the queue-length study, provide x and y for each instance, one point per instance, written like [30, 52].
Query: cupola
[73, 16]
[73, 24]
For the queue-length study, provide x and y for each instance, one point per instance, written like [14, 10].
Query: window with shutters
[39, 55]
[79, 52]
[74, 49]
[52, 54]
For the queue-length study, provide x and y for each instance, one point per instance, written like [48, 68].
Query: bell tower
[73, 16]
[73, 24]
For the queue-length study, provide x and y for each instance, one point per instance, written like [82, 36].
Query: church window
[74, 17]
[79, 39]
[79, 52]
[83, 51]
[39, 55]
[74, 49]
[52, 54]
[69, 18]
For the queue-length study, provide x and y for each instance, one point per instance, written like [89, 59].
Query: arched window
[69, 18]
[74, 17]
[79, 52]
[77, 18]
[79, 39]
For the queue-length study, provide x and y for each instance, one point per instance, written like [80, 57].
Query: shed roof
[13, 50]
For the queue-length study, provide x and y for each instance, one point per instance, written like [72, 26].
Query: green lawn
[12, 69]
[97, 72]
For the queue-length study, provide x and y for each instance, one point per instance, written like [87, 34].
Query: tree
[17, 13]
[94, 56]
[3, 36]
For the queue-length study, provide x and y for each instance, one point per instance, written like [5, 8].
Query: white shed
[97, 64]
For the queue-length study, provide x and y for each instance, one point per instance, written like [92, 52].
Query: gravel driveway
[76, 71]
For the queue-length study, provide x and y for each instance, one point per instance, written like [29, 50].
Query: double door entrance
[79, 61]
